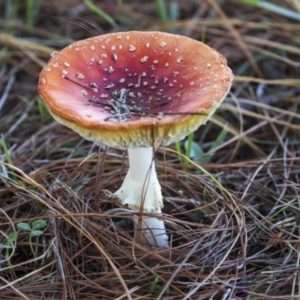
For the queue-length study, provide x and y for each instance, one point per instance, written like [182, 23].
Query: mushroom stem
[141, 191]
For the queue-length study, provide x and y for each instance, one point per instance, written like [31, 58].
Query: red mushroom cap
[135, 89]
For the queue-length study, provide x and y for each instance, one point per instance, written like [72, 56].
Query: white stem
[141, 191]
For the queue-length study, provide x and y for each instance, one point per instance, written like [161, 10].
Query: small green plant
[33, 230]
[11, 239]
[9, 243]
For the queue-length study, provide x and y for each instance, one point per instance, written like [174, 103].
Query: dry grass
[234, 228]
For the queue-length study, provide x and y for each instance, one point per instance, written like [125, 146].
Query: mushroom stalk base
[141, 191]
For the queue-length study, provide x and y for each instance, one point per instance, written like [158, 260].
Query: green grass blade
[162, 10]
[218, 141]
[250, 2]
[153, 286]
[189, 144]
[273, 8]
[97, 10]
[8, 157]
[174, 11]
[178, 148]
[279, 10]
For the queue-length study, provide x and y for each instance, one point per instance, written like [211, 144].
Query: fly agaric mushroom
[136, 91]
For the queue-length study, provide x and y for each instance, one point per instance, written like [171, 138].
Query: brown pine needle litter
[231, 192]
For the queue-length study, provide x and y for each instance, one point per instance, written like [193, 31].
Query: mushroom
[136, 91]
